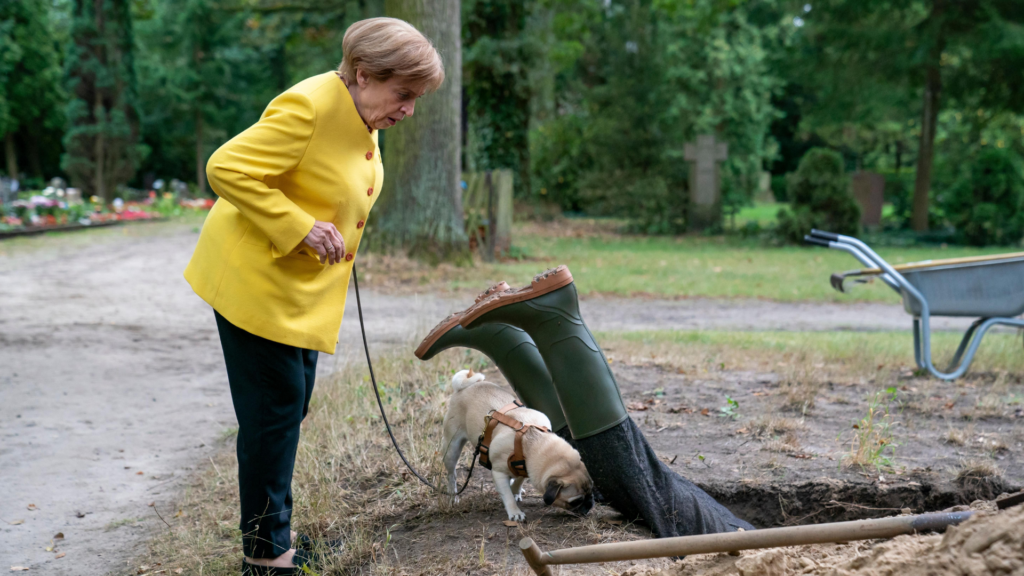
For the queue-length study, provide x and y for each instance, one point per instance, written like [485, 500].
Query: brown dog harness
[517, 460]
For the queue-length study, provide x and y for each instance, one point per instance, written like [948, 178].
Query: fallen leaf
[743, 431]
[32, 507]
[636, 407]
[139, 473]
[16, 522]
[178, 570]
[60, 555]
[50, 547]
[949, 405]
[58, 536]
[802, 456]
[19, 568]
[705, 412]
[614, 522]
[510, 523]
[79, 514]
[179, 514]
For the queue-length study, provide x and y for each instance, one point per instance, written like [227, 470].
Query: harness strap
[517, 460]
[484, 444]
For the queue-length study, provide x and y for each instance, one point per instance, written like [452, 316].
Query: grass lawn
[604, 262]
[842, 353]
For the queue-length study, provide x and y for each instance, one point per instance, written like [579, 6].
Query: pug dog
[551, 462]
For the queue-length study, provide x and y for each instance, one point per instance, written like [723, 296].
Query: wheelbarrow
[990, 288]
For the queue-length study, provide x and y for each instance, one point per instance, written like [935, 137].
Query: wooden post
[501, 222]
[533, 557]
[488, 252]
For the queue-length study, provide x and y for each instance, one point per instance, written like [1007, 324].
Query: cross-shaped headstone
[705, 185]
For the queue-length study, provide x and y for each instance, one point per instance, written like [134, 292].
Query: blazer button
[369, 155]
[360, 224]
[369, 191]
[349, 257]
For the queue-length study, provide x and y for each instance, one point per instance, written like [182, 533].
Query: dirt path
[112, 387]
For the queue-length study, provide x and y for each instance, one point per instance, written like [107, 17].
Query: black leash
[366, 347]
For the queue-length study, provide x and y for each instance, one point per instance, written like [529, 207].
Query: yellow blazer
[310, 157]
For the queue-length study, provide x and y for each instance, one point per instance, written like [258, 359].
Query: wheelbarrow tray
[989, 288]
[982, 289]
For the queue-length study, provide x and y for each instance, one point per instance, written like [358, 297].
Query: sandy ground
[112, 386]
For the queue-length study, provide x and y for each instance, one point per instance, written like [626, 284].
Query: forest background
[588, 102]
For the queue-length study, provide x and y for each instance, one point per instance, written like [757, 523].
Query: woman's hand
[327, 241]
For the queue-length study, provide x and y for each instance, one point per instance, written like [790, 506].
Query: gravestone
[705, 184]
[8, 190]
[869, 192]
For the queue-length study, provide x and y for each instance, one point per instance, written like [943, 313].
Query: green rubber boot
[625, 469]
[586, 389]
[511, 350]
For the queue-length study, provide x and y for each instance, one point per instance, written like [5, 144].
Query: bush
[985, 203]
[819, 195]
[779, 188]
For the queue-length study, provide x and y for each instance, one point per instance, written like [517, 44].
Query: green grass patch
[764, 214]
[854, 352]
[692, 266]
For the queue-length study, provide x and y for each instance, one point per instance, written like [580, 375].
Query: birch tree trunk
[420, 209]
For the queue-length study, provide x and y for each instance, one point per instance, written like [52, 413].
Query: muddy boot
[622, 464]
[511, 350]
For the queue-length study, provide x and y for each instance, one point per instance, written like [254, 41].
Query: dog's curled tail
[465, 379]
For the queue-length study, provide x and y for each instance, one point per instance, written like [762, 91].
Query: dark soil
[803, 475]
[770, 479]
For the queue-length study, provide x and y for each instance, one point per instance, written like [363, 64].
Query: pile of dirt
[989, 543]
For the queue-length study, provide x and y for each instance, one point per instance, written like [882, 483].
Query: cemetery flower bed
[55, 209]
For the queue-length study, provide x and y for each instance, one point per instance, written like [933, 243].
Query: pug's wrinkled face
[572, 491]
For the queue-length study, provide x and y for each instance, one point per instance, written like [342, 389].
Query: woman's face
[384, 104]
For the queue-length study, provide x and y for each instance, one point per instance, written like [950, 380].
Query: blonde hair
[388, 47]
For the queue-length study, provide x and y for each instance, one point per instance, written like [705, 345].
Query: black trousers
[271, 384]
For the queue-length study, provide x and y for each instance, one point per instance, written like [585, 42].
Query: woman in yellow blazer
[276, 251]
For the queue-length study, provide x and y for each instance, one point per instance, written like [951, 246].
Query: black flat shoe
[300, 560]
[320, 547]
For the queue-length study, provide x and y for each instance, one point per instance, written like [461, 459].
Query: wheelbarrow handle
[826, 235]
[817, 241]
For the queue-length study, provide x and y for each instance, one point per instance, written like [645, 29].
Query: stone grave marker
[705, 183]
[869, 192]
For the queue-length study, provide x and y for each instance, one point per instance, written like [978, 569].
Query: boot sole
[454, 319]
[543, 283]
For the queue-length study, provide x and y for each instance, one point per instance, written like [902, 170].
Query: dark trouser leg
[271, 384]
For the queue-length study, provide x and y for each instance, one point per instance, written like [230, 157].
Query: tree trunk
[100, 157]
[421, 204]
[926, 151]
[30, 140]
[200, 165]
[12, 156]
[929, 118]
